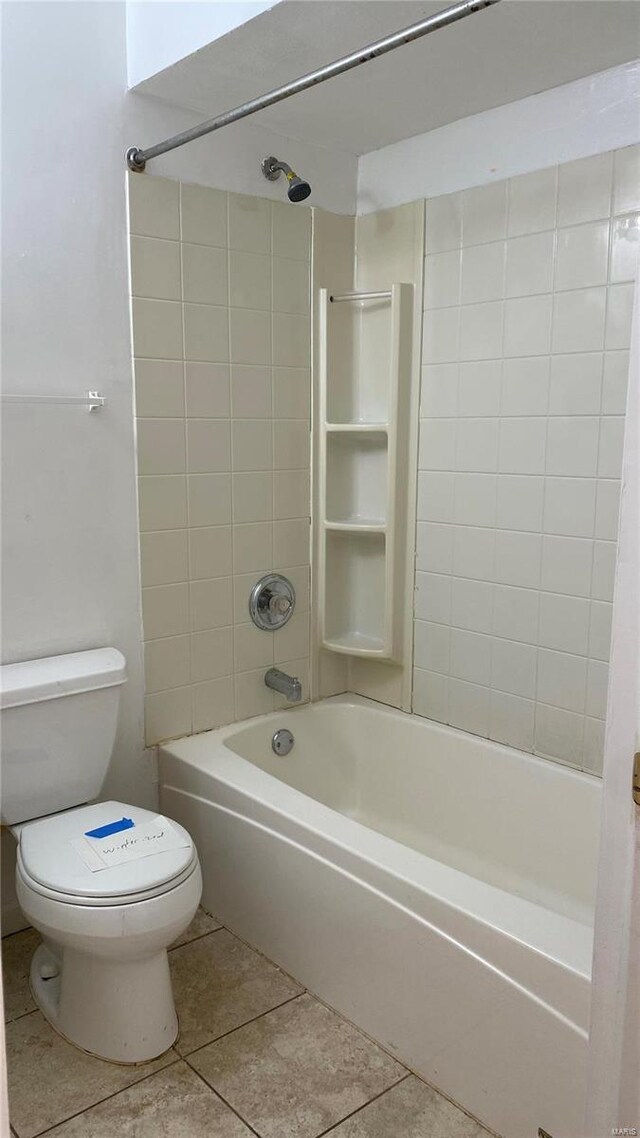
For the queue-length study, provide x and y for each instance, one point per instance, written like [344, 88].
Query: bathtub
[435, 888]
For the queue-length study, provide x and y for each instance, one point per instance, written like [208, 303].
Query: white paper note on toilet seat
[129, 845]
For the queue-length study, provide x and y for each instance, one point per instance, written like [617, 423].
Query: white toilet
[101, 976]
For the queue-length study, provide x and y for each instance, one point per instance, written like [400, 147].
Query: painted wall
[220, 288]
[565, 123]
[161, 34]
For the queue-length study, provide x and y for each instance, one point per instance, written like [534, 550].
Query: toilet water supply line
[137, 158]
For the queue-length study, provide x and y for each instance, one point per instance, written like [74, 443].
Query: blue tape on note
[110, 828]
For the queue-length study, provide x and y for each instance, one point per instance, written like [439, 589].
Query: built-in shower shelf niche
[365, 356]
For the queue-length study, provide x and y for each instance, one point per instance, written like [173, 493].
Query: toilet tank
[58, 722]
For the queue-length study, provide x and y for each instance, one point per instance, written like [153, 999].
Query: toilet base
[119, 1010]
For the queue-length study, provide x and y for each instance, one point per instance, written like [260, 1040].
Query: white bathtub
[435, 888]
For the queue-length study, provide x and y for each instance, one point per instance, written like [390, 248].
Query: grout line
[201, 936]
[189, 1055]
[226, 1102]
[334, 1126]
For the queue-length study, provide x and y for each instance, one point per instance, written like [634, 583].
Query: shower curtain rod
[137, 158]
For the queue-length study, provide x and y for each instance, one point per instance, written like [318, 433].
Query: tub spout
[288, 686]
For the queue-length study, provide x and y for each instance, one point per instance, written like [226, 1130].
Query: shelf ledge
[357, 644]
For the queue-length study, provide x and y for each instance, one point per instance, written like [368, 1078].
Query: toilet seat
[49, 864]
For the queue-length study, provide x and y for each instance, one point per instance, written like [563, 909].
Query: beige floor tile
[49, 1079]
[218, 984]
[297, 1071]
[17, 951]
[172, 1104]
[201, 924]
[410, 1110]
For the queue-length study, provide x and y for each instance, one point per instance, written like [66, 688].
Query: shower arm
[137, 158]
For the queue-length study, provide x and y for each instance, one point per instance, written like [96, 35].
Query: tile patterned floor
[257, 1057]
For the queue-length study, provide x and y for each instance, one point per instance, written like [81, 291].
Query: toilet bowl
[101, 976]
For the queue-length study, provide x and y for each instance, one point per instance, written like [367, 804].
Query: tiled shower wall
[220, 286]
[528, 291]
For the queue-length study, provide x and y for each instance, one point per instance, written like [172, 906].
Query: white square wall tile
[210, 604]
[444, 223]
[515, 613]
[159, 388]
[513, 668]
[593, 745]
[442, 279]
[291, 444]
[433, 597]
[518, 558]
[434, 547]
[607, 510]
[435, 496]
[291, 340]
[432, 646]
[582, 257]
[250, 336]
[290, 286]
[611, 445]
[522, 446]
[166, 663]
[291, 231]
[576, 382]
[566, 565]
[155, 268]
[520, 502]
[249, 223]
[512, 720]
[253, 497]
[558, 734]
[481, 331]
[484, 213]
[211, 654]
[291, 496]
[206, 333]
[572, 446]
[292, 393]
[292, 641]
[204, 274]
[212, 704]
[157, 329]
[625, 248]
[525, 386]
[569, 506]
[479, 384]
[167, 715]
[210, 553]
[251, 391]
[161, 446]
[615, 381]
[626, 179]
[482, 272]
[527, 326]
[253, 647]
[431, 695]
[473, 552]
[439, 390]
[474, 499]
[619, 311]
[164, 557]
[530, 264]
[477, 445]
[564, 623]
[562, 680]
[207, 390]
[249, 280]
[437, 447]
[597, 685]
[252, 441]
[584, 189]
[578, 320]
[162, 502]
[469, 707]
[604, 570]
[532, 202]
[209, 499]
[253, 545]
[470, 657]
[600, 629]
[252, 696]
[165, 610]
[440, 335]
[471, 604]
[208, 446]
[204, 215]
[154, 207]
[291, 542]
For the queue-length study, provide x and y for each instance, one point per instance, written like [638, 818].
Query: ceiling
[506, 52]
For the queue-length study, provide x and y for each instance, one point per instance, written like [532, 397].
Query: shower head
[297, 189]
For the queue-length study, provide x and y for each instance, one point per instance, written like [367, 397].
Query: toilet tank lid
[33, 681]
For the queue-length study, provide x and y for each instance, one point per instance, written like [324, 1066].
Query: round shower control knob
[272, 602]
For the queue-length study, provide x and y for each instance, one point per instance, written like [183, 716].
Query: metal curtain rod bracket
[137, 158]
[93, 400]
